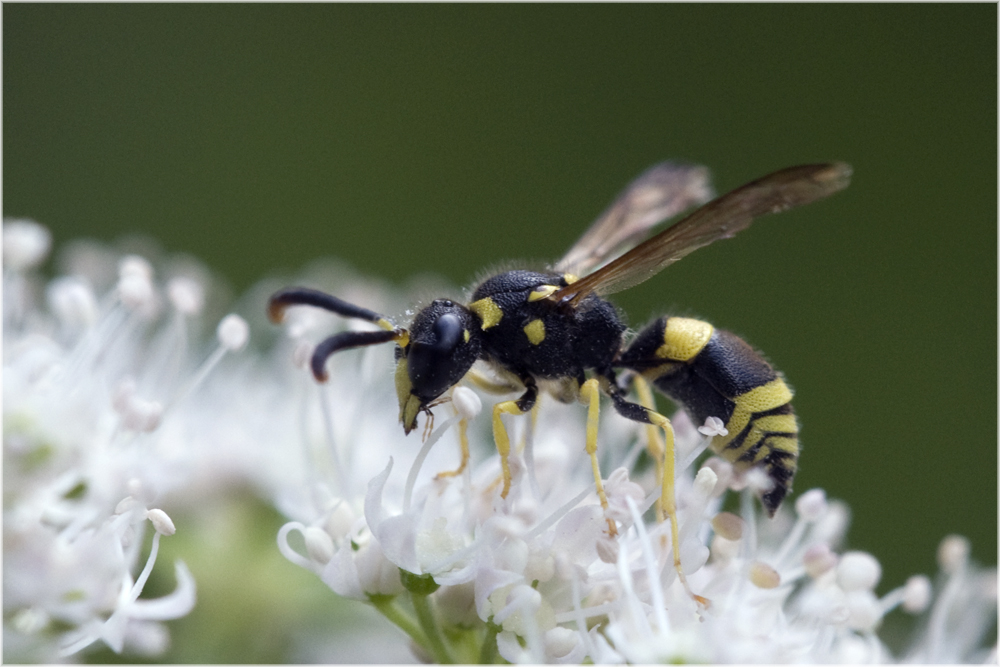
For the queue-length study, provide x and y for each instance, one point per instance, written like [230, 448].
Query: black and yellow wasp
[555, 331]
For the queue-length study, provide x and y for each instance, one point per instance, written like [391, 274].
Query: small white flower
[97, 428]
[712, 427]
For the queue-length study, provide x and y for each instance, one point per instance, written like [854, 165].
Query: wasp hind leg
[665, 467]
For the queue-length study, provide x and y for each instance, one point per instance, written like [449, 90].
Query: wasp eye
[433, 362]
[448, 331]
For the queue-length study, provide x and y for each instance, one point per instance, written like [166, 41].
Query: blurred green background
[448, 138]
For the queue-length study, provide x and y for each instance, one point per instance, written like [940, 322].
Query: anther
[233, 332]
[25, 243]
[858, 571]
[952, 553]
[161, 522]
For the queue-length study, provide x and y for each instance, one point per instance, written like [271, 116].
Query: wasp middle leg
[518, 407]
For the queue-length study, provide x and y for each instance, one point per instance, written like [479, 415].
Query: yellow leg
[502, 441]
[463, 441]
[668, 500]
[487, 384]
[589, 392]
[653, 443]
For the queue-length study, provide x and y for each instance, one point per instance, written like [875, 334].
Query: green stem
[422, 605]
[488, 652]
[386, 604]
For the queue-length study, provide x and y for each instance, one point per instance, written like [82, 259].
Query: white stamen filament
[411, 478]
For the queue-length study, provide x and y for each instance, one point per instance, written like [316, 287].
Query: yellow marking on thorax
[541, 292]
[535, 331]
[684, 338]
[569, 278]
[488, 311]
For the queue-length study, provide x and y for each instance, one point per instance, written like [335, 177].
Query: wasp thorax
[443, 345]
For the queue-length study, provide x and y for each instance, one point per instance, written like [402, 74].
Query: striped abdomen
[713, 373]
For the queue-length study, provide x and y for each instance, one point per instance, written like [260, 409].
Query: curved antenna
[304, 296]
[345, 341]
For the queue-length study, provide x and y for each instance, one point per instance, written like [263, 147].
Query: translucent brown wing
[661, 192]
[719, 219]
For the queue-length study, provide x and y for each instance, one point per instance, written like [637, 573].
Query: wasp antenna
[304, 296]
[345, 341]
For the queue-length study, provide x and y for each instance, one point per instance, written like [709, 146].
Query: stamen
[652, 571]
[553, 518]
[25, 243]
[631, 600]
[914, 596]
[343, 481]
[953, 553]
[728, 526]
[411, 478]
[73, 302]
[186, 294]
[818, 560]
[811, 507]
[763, 575]
[232, 333]
[858, 571]
[161, 522]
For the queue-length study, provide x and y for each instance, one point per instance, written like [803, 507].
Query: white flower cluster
[112, 410]
[99, 426]
[535, 577]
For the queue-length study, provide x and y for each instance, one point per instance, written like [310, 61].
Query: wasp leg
[463, 441]
[668, 504]
[589, 391]
[518, 407]
[488, 384]
[653, 443]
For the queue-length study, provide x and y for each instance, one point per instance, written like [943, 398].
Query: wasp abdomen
[713, 373]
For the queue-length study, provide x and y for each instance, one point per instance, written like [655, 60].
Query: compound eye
[447, 332]
[433, 365]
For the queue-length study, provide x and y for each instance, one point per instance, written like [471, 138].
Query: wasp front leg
[463, 443]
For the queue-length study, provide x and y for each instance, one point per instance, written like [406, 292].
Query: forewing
[661, 192]
[719, 219]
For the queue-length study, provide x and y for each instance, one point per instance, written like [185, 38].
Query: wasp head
[442, 346]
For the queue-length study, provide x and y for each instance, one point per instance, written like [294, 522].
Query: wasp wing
[719, 219]
[661, 192]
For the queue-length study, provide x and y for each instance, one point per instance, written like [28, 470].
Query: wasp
[554, 331]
